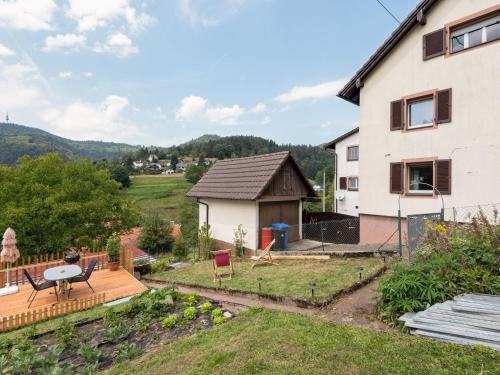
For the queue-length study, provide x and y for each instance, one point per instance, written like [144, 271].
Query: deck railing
[34, 316]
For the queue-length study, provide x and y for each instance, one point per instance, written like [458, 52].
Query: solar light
[259, 279]
[312, 285]
[360, 269]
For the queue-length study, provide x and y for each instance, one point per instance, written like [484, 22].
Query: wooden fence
[35, 316]
[37, 265]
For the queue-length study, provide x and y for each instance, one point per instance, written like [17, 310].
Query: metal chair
[39, 287]
[84, 277]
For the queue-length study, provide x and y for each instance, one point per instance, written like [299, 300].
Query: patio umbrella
[9, 254]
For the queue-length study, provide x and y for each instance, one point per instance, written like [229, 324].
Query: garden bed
[155, 317]
[286, 283]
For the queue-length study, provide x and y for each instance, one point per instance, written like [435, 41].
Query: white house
[429, 104]
[346, 149]
[256, 192]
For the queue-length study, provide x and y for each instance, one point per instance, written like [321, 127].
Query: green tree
[119, 173]
[155, 234]
[173, 161]
[52, 204]
[195, 172]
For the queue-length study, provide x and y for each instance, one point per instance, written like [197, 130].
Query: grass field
[158, 194]
[270, 342]
[288, 279]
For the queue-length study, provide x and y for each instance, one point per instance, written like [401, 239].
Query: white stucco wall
[225, 216]
[349, 205]
[471, 140]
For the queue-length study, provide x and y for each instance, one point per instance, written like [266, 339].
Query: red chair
[222, 259]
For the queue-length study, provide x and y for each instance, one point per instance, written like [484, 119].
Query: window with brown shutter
[343, 183]
[443, 176]
[443, 106]
[434, 44]
[397, 115]
[396, 178]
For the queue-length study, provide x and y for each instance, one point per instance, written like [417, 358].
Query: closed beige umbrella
[9, 254]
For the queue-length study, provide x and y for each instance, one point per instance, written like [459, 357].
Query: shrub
[170, 321]
[190, 313]
[206, 243]
[113, 245]
[155, 234]
[160, 265]
[452, 259]
[205, 307]
[179, 250]
[239, 240]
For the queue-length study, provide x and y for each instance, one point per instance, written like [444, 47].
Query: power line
[388, 11]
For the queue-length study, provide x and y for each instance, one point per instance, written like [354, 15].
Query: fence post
[400, 234]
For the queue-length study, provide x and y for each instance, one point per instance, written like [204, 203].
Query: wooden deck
[116, 284]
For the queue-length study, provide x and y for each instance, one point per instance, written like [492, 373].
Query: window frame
[407, 163]
[469, 21]
[421, 96]
[408, 112]
[356, 178]
[347, 153]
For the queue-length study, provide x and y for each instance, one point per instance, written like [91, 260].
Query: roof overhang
[351, 90]
[331, 145]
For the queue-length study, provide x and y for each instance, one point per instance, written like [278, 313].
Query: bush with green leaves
[206, 243]
[155, 234]
[160, 265]
[206, 307]
[179, 251]
[170, 321]
[453, 259]
[190, 313]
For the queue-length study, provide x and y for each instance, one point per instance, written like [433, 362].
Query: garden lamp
[259, 280]
[312, 285]
[360, 269]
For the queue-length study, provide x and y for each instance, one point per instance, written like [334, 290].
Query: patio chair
[84, 277]
[37, 287]
[264, 256]
[222, 258]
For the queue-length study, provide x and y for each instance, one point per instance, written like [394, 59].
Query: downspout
[206, 211]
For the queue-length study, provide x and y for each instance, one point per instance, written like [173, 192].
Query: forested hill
[18, 140]
[311, 158]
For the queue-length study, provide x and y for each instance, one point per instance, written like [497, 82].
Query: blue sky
[163, 72]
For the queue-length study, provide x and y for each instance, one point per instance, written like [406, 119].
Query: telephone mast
[7, 117]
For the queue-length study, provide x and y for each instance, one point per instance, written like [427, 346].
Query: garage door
[281, 212]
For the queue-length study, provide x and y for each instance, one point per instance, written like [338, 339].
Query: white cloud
[91, 14]
[195, 107]
[4, 51]
[224, 115]
[61, 41]
[88, 74]
[266, 120]
[208, 13]
[96, 121]
[258, 108]
[65, 74]
[191, 106]
[32, 15]
[117, 44]
[319, 91]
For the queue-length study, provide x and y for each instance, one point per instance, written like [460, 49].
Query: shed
[253, 191]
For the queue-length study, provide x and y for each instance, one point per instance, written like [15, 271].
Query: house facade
[429, 102]
[346, 150]
[255, 192]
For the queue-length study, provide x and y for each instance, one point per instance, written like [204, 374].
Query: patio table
[62, 274]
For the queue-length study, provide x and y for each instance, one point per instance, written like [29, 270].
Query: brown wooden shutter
[443, 176]
[443, 106]
[343, 183]
[397, 115]
[396, 178]
[434, 44]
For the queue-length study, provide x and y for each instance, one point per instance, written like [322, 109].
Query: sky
[162, 72]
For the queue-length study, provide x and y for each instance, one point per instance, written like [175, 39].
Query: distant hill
[18, 140]
[203, 139]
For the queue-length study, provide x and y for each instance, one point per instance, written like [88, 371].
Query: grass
[271, 342]
[289, 279]
[158, 194]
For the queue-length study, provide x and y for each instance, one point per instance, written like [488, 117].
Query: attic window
[476, 33]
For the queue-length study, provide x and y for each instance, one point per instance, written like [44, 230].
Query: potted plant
[113, 245]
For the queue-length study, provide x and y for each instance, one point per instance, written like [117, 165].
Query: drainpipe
[206, 211]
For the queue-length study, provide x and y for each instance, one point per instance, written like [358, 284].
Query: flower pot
[113, 266]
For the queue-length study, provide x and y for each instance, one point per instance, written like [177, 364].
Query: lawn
[289, 279]
[158, 194]
[270, 342]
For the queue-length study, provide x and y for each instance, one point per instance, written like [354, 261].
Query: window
[420, 113]
[421, 178]
[352, 183]
[352, 153]
[479, 32]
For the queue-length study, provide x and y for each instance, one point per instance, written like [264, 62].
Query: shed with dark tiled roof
[254, 191]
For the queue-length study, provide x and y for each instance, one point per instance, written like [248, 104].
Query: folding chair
[264, 257]
[222, 258]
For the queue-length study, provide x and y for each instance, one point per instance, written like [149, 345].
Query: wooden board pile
[469, 319]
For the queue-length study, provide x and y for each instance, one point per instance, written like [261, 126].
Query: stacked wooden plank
[469, 319]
